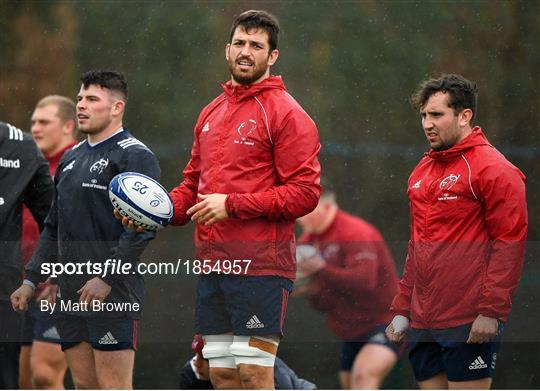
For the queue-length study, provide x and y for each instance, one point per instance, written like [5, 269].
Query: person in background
[346, 271]
[42, 364]
[25, 179]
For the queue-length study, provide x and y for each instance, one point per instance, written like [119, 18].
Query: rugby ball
[142, 199]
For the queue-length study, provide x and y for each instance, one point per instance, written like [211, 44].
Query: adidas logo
[417, 185]
[108, 339]
[206, 127]
[51, 333]
[254, 323]
[478, 364]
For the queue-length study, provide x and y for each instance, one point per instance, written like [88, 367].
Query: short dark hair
[66, 107]
[257, 19]
[111, 80]
[462, 93]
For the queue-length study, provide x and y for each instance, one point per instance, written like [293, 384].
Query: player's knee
[255, 377]
[217, 351]
[255, 358]
[259, 351]
[224, 378]
[365, 378]
[43, 378]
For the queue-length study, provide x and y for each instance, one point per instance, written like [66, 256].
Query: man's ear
[118, 107]
[273, 57]
[466, 117]
[228, 51]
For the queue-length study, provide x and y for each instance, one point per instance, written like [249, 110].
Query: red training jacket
[256, 144]
[468, 232]
[357, 285]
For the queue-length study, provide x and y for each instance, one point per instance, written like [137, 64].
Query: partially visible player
[42, 363]
[351, 277]
[467, 244]
[25, 179]
[195, 374]
[80, 229]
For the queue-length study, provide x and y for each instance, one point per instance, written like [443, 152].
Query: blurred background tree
[352, 65]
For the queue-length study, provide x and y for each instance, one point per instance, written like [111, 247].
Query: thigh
[25, 374]
[114, 368]
[256, 305]
[49, 355]
[468, 362]
[425, 355]
[80, 359]
[211, 316]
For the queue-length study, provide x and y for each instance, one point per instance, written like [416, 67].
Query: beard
[245, 78]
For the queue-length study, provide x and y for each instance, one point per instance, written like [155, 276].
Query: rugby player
[41, 362]
[467, 244]
[99, 345]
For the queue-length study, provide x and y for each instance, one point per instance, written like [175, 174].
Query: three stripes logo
[15, 133]
[254, 323]
[108, 339]
[51, 333]
[478, 364]
[129, 142]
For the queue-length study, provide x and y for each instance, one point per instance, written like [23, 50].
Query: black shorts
[349, 349]
[245, 305]
[100, 333]
[39, 326]
[446, 350]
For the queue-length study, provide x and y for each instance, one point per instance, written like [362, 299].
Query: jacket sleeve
[47, 250]
[39, 193]
[296, 148]
[502, 191]
[184, 196]
[131, 244]
[401, 305]
[286, 379]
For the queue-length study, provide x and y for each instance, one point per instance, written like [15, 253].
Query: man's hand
[483, 329]
[127, 222]
[203, 369]
[94, 289]
[210, 210]
[21, 297]
[396, 330]
[310, 266]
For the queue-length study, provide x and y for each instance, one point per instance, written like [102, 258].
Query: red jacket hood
[474, 139]
[238, 93]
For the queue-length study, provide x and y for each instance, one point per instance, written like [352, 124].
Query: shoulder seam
[469, 177]
[265, 120]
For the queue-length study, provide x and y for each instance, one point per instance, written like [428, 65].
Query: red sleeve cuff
[229, 205]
